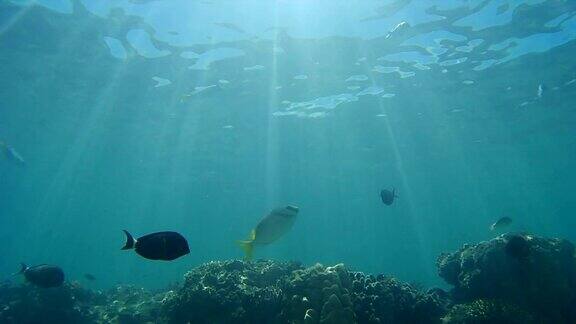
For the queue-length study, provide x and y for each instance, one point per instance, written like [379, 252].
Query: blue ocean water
[202, 116]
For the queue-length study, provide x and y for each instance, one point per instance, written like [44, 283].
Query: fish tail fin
[248, 248]
[492, 227]
[130, 241]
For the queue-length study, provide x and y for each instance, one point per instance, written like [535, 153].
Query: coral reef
[483, 311]
[129, 305]
[384, 299]
[335, 295]
[318, 295]
[514, 278]
[275, 292]
[229, 292]
[73, 304]
[537, 274]
[28, 304]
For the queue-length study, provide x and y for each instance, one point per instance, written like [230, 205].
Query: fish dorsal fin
[252, 236]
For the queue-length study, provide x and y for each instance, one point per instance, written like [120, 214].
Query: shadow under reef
[513, 278]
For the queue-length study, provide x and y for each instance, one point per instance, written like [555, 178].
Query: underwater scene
[287, 161]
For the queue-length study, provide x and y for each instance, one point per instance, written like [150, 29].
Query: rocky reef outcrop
[233, 292]
[336, 295]
[485, 311]
[275, 292]
[229, 292]
[522, 271]
[318, 295]
[514, 278]
[72, 303]
[129, 305]
[67, 304]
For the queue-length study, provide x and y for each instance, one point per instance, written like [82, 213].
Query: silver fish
[502, 222]
[401, 27]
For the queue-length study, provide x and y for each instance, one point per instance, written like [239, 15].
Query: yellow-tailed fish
[273, 226]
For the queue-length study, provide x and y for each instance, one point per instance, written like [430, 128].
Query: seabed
[489, 285]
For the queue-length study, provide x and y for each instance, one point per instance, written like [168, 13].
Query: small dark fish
[43, 275]
[388, 196]
[165, 246]
[11, 154]
[518, 247]
[90, 277]
[502, 222]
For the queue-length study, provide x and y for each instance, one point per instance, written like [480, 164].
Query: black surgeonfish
[43, 275]
[165, 246]
[388, 196]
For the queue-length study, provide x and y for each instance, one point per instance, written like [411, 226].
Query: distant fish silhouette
[388, 196]
[11, 154]
[540, 91]
[166, 246]
[230, 26]
[398, 30]
[89, 276]
[500, 223]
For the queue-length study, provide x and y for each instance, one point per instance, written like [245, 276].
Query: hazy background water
[282, 102]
